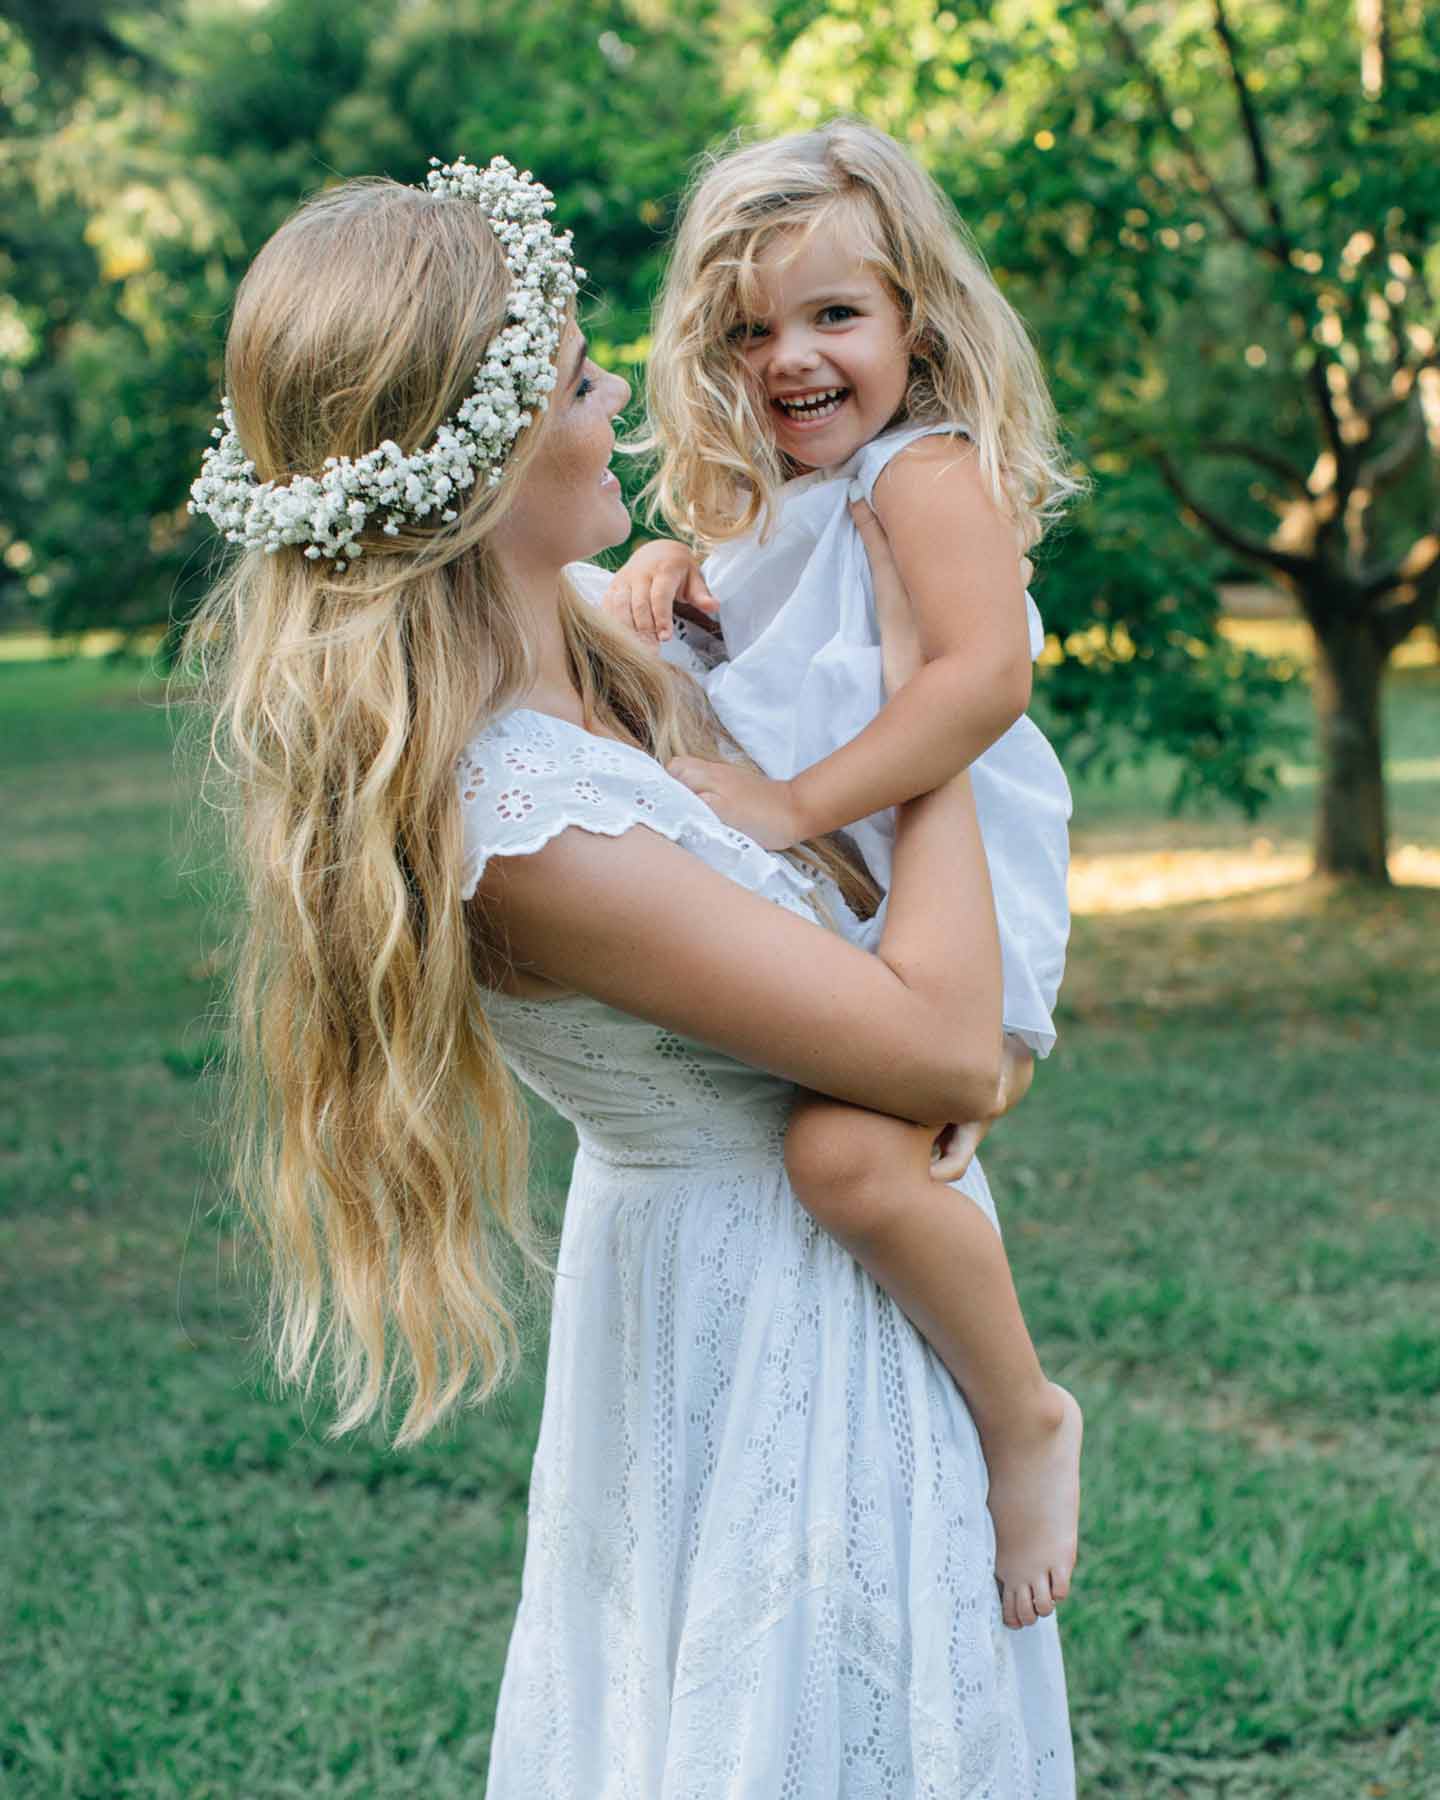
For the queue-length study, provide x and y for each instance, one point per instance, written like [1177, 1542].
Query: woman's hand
[900, 654]
[659, 578]
[956, 1145]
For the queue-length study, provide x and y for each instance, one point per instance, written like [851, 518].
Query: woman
[759, 1559]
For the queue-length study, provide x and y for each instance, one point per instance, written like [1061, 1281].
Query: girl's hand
[657, 579]
[900, 655]
[745, 799]
[956, 1145]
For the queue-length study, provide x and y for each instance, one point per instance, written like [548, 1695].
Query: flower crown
[327, 513]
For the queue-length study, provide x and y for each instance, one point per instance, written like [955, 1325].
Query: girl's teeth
[816, 406]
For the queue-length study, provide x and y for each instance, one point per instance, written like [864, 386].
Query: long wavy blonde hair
[717, 465]
[381, 1142]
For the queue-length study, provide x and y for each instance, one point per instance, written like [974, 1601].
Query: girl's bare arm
[959, 562]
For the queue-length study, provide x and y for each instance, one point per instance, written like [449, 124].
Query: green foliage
[1144, 667]
[65, 36]
[161, 148]
[1190, 301]
[117, 269]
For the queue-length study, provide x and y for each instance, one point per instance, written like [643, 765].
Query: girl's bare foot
[1035, 1503]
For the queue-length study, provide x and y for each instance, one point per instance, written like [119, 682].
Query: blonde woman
[759, 1560]
[827, 329]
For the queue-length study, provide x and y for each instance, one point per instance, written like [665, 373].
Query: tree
[140, 184]
[1214, 367]
[107, 253]
[1337, 231]
[1143, 665]
[1222, 230]
[1221, 218]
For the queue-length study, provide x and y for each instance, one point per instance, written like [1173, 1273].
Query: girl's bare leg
[866, 1179]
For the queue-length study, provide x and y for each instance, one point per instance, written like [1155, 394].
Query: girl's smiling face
[826, 346]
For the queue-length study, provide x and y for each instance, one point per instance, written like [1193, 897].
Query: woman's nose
[621, 396]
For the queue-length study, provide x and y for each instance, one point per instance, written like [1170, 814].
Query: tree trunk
[1350, 824]
[1374, 46]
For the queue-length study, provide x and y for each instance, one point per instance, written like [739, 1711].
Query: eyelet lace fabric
[759, 1564]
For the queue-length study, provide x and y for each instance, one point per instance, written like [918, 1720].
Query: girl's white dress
[759, 1562]
[801, 676]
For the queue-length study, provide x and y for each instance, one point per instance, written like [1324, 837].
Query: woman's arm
[914, 1030]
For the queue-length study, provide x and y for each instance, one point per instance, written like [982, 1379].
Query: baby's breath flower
[326, 515]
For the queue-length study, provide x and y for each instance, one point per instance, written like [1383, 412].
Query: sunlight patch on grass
[1292, 641]
[1397, 769]
[39, 646]
[1137, 880]
[1287, 640]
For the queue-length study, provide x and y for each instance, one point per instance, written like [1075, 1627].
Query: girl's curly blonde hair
[717, 466]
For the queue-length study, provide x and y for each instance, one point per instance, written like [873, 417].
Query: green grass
[1220, 1202]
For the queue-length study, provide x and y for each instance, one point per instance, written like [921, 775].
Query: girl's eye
[748, 331]
[837, 314]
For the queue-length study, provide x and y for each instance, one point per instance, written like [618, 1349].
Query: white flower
[328, 514]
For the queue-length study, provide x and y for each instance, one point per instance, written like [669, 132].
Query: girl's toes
[1044, 1602]
[1019, 1605]
[1059, 1584]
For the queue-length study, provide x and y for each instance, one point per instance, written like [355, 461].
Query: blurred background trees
[1217, 215]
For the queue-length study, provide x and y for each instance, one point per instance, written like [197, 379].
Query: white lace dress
[759, 1563]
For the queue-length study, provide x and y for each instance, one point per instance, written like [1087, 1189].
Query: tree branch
[1276, 247]
[1205, 182]
[1262, 458]
[1280, 247]
[1374, 46]
[1389, 465]
[1254, 137]
[1418, 607]
[1298, 568]
[1402, 378]
[1419, 565]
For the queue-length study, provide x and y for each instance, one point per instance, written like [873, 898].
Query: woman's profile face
[569, 507]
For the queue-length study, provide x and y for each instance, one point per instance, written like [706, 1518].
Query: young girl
[827, 334]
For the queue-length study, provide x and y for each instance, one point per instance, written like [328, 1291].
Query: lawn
[1221, 1202]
